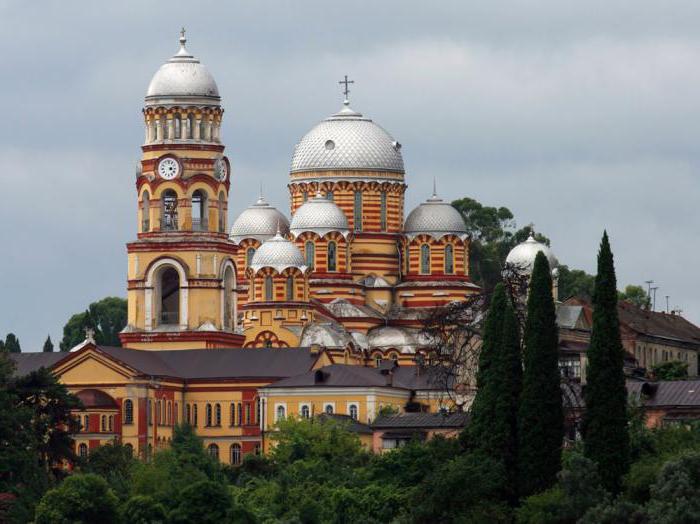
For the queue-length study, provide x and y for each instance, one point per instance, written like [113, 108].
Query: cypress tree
[605, 433]
[12, 344]
[541, 416]
[48, 345]
[493, 423]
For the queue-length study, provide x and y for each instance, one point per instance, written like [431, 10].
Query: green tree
[606, 437]
[52, 423]
[12, 344]
[637, 296]
[675, 497]
[107, 317]
[141, 509]
[48, 345]
[540, 416]
[493, 426]
[575, 283]
[204, 502]
[79, 498]
[673, 370]
[114, 463]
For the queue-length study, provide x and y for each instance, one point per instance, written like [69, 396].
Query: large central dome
[347, 141]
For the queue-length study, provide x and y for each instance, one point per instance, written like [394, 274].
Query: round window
[330, 145]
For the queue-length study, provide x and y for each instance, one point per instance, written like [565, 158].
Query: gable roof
[421, 420]
[668, 393]
[25, 363]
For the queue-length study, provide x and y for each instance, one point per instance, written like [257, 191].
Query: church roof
[421, 420]
[27, 362]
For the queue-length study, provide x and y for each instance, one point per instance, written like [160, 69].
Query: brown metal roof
[25, 363]
[421, 421]
[674, 393]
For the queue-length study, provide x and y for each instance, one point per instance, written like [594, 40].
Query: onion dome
[436, 218]
[522, 256]
[347, 141]
[183, 80]
[260, 221]
[321, 216]
[279, 254]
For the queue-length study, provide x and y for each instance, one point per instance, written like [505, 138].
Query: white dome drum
[260, 221]
[321, 216]
[279, 254]
[347, 141]
[522, 256]
[435, 218]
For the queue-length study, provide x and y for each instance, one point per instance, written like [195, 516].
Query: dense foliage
[107, 317]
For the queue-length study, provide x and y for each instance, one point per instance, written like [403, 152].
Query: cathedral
[233, 329]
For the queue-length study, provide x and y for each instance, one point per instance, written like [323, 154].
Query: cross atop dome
[346, 88]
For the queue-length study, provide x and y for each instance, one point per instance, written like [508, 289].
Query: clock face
[168, 168]
[221, 169]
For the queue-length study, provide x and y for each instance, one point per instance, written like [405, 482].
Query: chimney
[319, 376]
[388, 376]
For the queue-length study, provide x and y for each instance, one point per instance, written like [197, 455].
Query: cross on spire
[346, 89]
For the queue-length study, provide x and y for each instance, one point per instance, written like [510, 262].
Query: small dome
[522, 256]
[279, 254]
[406, 340]
[321, 216]
[436, 218]
[183, 79]
[260, 221]
[326, 334]
[347, 141]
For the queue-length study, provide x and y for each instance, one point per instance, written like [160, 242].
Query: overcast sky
[578, 116]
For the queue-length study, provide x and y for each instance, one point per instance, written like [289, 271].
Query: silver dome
[260, 221]
[183, 80]
[321, 216]
[522, 256]
[347, 141]
[279, 254]
[436, 218]
[325, 334]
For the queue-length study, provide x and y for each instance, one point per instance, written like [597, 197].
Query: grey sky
[576, 116]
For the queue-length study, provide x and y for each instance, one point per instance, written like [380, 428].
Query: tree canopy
[107, 317]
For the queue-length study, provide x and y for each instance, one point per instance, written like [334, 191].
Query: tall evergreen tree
[540, 416]
[605, 432]
[493, 425]
[48, 345]
[12, 344]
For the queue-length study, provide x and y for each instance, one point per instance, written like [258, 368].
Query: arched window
[169, 414]
[146, 213]
[449, 259]
[169, 291]
[394, 358]
[310, 250]
[191, 122]
[425, 259]
[280, 413]
[305, 195]
[357, 211]
[203, 128]
[217, 412]
[329, 409]
[208, 415]
[213, 451]
[257, 411]
[188, 414]
[176, 414]
[382, 211]
[353, 411]
[149, 412]
[83, 450]
[330, 196]
[110, 423]
[194, 415]
[166, 127]
[229, 299]
[130, 449]
[268, 288]
[305, 411]
[240, 414]
[199, 211]
[178, 125]
[169, 204]
[128, 412]
[86, 424]
[378, 359]
[232, 415]
[235, 454]
[332, 255]
[103, 423]
[222, 212]
[290, 288]
[247, 413]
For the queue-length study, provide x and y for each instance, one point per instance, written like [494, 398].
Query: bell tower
[181, 269]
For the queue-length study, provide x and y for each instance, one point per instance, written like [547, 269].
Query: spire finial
[531, 227]
[346, 89]
[183, 40]
[434, 187]
[279, 231]
[261, 191]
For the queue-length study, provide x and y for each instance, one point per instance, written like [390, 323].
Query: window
[203, 128]
[232, 414]
[149, 412]
[83, 450]
[290, 288]
[353, 411]
[280, 413]
[128, 412]
[257, 411]
[130, 449]
[310, 250]
[190, 125]
[222, 212]
[377, 360]
[249, 253]
[382, 211]
[357, 211]
[268, 288]
[425, 259]
[159, 412]
[175, 413]
[208, 416]
[332, 255]
[146, 213]
[449, 259]
[328, 409]
[217, 412]
[240, 414]
[169, 291]
[110, 423]
[169, 217]
[86, 424]
[257, 448]
[229, 298]
[178, 125]
[188, 414]
[247, 413]
[169, 414]
[103, 423]
[194, 415]
[570, 366]
[305, 411]
[330, 196]
[213, 451]
[305, 195]
[199, 211]
[235, 454]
